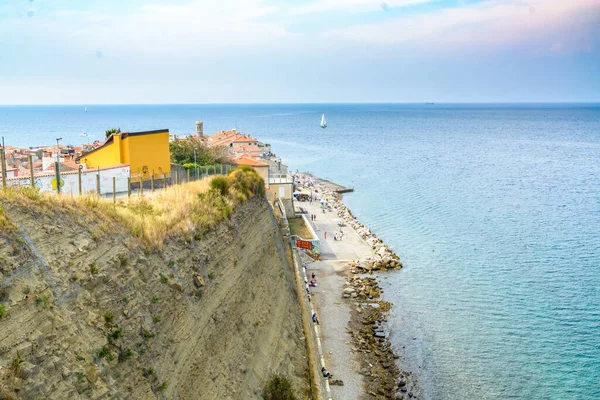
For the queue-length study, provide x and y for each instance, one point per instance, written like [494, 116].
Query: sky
[272, 51]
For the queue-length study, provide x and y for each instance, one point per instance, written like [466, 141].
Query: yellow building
[144, 152]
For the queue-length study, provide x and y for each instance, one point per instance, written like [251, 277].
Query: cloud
[530, 24]
[354, 6]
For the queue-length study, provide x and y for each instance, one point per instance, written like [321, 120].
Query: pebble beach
[349, 300]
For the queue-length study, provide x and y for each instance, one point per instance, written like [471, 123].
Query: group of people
[338, 235]
[315, 319]
[313, 217]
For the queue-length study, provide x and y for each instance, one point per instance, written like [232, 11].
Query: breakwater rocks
[383, 257]
[369, 337]
[384, 380]
[361, 288]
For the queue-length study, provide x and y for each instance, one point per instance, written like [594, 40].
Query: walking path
[332, 310]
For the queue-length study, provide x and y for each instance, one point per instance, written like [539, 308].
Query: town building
[145, 153]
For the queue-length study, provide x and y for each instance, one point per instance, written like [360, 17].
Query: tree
[112, 130]
[182, 152]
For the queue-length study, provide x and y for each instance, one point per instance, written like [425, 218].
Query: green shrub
[123, 260]
[147, 372]
[125, 354]
[3, 311]
[149, 335]
[164, 278]
[278, 387]
[105, 353]
[108, 317]
[15, 366]
[93, 269]
[154, 300]
[156, 319]
[42, 301]
[114, 335]
[220, 184]
[162, 386]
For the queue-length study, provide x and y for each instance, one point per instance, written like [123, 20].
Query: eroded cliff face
[89, 313]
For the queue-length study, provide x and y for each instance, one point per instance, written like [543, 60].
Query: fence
[115, 181]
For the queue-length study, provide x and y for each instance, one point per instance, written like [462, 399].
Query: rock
[346, 296]
[349, 290]
[198, 281]
[354, 295]
[403, 389]
[17, 384]
[177, 287]
[92, 374]
[401, 383]
[379, 334]
[336, 382]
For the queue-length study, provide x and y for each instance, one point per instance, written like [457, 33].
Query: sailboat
[323, 121]
[85, 109]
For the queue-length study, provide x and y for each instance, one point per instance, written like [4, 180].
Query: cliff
[88, 310]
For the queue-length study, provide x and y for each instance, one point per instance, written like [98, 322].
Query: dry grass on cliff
[186, 210]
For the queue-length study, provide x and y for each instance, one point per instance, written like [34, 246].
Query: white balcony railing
[280, 178]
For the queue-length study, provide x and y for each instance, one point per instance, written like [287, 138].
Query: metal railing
[107, 182]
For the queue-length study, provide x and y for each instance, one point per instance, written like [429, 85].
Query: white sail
[323, 121]
[85, 109]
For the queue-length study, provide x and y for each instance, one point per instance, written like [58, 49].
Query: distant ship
[323, 121]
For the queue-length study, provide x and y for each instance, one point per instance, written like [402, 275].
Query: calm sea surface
[494, 209]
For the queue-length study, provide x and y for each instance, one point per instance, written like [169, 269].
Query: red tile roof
[245, 160]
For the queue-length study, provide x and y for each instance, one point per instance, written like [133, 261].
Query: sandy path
[332, 310]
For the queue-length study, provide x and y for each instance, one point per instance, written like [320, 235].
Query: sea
[494, 210]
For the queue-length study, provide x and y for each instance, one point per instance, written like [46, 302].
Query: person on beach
[325, 235]
[325, 373]
[315, 319]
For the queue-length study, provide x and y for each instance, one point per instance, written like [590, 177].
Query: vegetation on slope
[88, 312]
[188, 211]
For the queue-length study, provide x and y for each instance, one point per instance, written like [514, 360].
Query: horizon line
[311, 103]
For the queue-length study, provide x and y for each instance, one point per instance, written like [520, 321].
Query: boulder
[177, 287]
[198, 281]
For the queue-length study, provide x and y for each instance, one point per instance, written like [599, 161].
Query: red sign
[304, 244]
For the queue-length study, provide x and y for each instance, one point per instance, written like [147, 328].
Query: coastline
[353, 315]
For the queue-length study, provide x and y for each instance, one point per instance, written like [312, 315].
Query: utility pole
[3, 161]
[31, 171]
[195, 163]
[58, 166]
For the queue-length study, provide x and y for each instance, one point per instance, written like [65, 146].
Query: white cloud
[493, 24]
[350, 6]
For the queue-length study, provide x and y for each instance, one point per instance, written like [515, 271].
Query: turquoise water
[494, 209]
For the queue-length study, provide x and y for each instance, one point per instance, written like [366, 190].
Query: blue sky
[231, 51]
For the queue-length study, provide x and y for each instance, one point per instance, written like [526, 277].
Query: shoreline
[351, 301]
